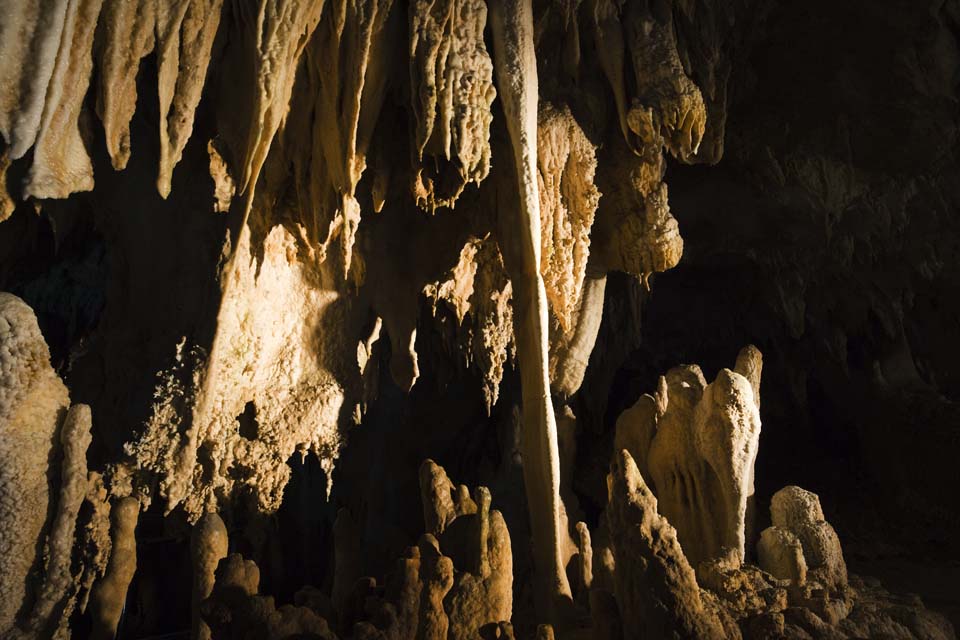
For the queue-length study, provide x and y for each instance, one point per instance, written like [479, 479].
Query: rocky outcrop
[235, 610]
[798, 512]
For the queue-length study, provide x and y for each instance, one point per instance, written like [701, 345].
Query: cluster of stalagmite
[633, 578]
[697, 444]
[456, 583]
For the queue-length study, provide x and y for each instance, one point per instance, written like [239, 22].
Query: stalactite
[516, 68]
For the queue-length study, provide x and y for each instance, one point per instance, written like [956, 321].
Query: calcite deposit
[276, 271]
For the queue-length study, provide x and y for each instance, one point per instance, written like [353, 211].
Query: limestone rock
[479, 292]
[566, 163]
[275, 36]
[482, 591]
[634, 229]
[667, 107]
[458, 581]
[56, 598]
[347, 67]
[744, 591]
[61, 165]
[243, 430]
[128, 35]
[234, 610]
[30, 39]
[185, 31]
[7, 205]
[520, 238]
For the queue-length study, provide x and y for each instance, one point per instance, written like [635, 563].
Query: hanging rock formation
[451, 81]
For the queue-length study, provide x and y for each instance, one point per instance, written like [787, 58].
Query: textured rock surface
[780, 554]
[451, 82]
[56, 598]
[798, 511]
[33, 401]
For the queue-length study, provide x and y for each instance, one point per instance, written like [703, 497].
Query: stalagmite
[234, 610]
[516, 68]
[360, 258]
[110, 594]
[780, 554]
[798, 511]
[750, 366]
[451, 79]
[482, 591]
[436, 573]
[32, 403]
[61, 165]
[656, 588]
[208, 545]
[698, 443]
[347, 560]
[55, 600]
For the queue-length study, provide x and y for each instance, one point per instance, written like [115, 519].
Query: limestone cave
[479, 319]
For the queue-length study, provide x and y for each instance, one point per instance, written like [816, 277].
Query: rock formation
[656, 588]
[110, 593]
[265, 257]
[208, 545]
[699, 443]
